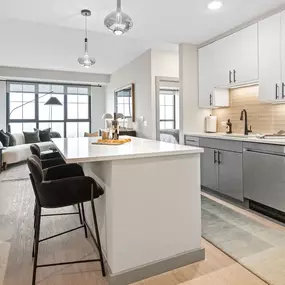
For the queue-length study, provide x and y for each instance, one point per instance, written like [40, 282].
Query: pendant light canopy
[86, 60]
[118, 22]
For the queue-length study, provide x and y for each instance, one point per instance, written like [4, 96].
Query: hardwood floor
[16, 231]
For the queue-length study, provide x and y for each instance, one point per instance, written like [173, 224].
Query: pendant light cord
[119, 5]
[86, 36]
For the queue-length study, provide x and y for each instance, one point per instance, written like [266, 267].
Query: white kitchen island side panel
[152, 209]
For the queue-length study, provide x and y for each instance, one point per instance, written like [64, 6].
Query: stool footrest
[80, 227]
[66, 263]
[62, 214]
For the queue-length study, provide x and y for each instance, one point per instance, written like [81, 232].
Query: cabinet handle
[234, 75]
[276, 91]
[230, 76]
[215, 159]
[219, 157]
[283, 86]
[211, 101]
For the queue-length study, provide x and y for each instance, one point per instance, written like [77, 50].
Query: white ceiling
[48, 34]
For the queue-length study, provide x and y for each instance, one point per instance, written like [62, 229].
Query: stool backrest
[35, 166]
[35, 149]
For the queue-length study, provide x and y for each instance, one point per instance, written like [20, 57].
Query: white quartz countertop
[240, 137]
[82, 150]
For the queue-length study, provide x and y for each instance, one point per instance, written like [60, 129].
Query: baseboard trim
[155, 268]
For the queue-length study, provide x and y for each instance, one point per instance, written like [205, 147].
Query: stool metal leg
[36, 243]
[84, 220]
[97, 235]
[80, 214]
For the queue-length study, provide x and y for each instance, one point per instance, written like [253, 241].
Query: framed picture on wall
[125, 101]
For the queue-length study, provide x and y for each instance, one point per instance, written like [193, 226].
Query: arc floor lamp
[52, 101]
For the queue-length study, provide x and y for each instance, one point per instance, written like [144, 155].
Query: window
[27, 109]
[168, 109]
[124, 101]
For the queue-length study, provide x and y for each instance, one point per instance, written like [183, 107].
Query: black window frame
[38, 94]
[174, 107]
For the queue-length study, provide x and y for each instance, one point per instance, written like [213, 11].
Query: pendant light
[118, 22]
[86, 60]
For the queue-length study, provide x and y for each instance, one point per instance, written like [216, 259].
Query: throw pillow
[44, 135]
[32, 137]
[4, 139]
[12, 139]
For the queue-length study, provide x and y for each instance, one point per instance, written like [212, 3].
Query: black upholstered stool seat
[62, 186]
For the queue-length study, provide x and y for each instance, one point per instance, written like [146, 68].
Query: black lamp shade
[53, 101]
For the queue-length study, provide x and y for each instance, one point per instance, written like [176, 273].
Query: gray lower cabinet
[230, 174]
[264, 178]
[221, 171]
[209, 170]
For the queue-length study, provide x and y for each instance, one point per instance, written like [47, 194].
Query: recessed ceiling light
[215, 5]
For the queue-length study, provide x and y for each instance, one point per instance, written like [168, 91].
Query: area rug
[258, 247]
[15, 173]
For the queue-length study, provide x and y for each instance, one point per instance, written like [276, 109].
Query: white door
[206, 71]
[270, 58]
[244, 47]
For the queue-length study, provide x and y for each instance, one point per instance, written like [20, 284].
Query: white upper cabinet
[244, 55]
[229, 62]
[209, 96]
[282, 55]
[270, 45]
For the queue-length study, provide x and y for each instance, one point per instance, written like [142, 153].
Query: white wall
[142, 71]
[97, 108]
[193, 117]
[163, 64]
[138, 72]
[2, 105]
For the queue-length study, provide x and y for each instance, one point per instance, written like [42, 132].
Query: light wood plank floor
[16, 212]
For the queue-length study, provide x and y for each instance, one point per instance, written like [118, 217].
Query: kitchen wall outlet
[223, 123]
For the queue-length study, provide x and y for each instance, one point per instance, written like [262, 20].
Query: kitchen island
[150, 214]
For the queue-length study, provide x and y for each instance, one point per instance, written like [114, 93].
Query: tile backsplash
[263, 117]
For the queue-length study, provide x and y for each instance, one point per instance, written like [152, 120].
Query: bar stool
[62, 186]
[50, 161]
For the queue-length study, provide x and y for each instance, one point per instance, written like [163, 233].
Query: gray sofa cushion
[12, 139]
[44, 135]
[4, 138]
[32, 137]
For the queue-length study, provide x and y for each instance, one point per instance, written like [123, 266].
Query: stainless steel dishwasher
[264, 174]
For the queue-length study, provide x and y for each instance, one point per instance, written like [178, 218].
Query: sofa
[21, 151]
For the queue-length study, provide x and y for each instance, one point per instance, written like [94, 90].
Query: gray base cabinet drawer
[192, 141]
[264, 178]
[229, 145]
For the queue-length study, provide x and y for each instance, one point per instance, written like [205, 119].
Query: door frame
[158, 80]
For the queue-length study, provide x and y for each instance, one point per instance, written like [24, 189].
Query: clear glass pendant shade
[118, 22]
[86, 60]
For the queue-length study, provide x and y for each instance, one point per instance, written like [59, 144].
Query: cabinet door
[270, 58]
[223, 62]
[230, 174]
[244, 50]
[209, 169]
[283, 54]
[206, 84]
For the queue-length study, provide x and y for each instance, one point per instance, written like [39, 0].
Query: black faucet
[246, 130]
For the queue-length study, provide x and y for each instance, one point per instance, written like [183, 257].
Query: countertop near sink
[238, 137]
